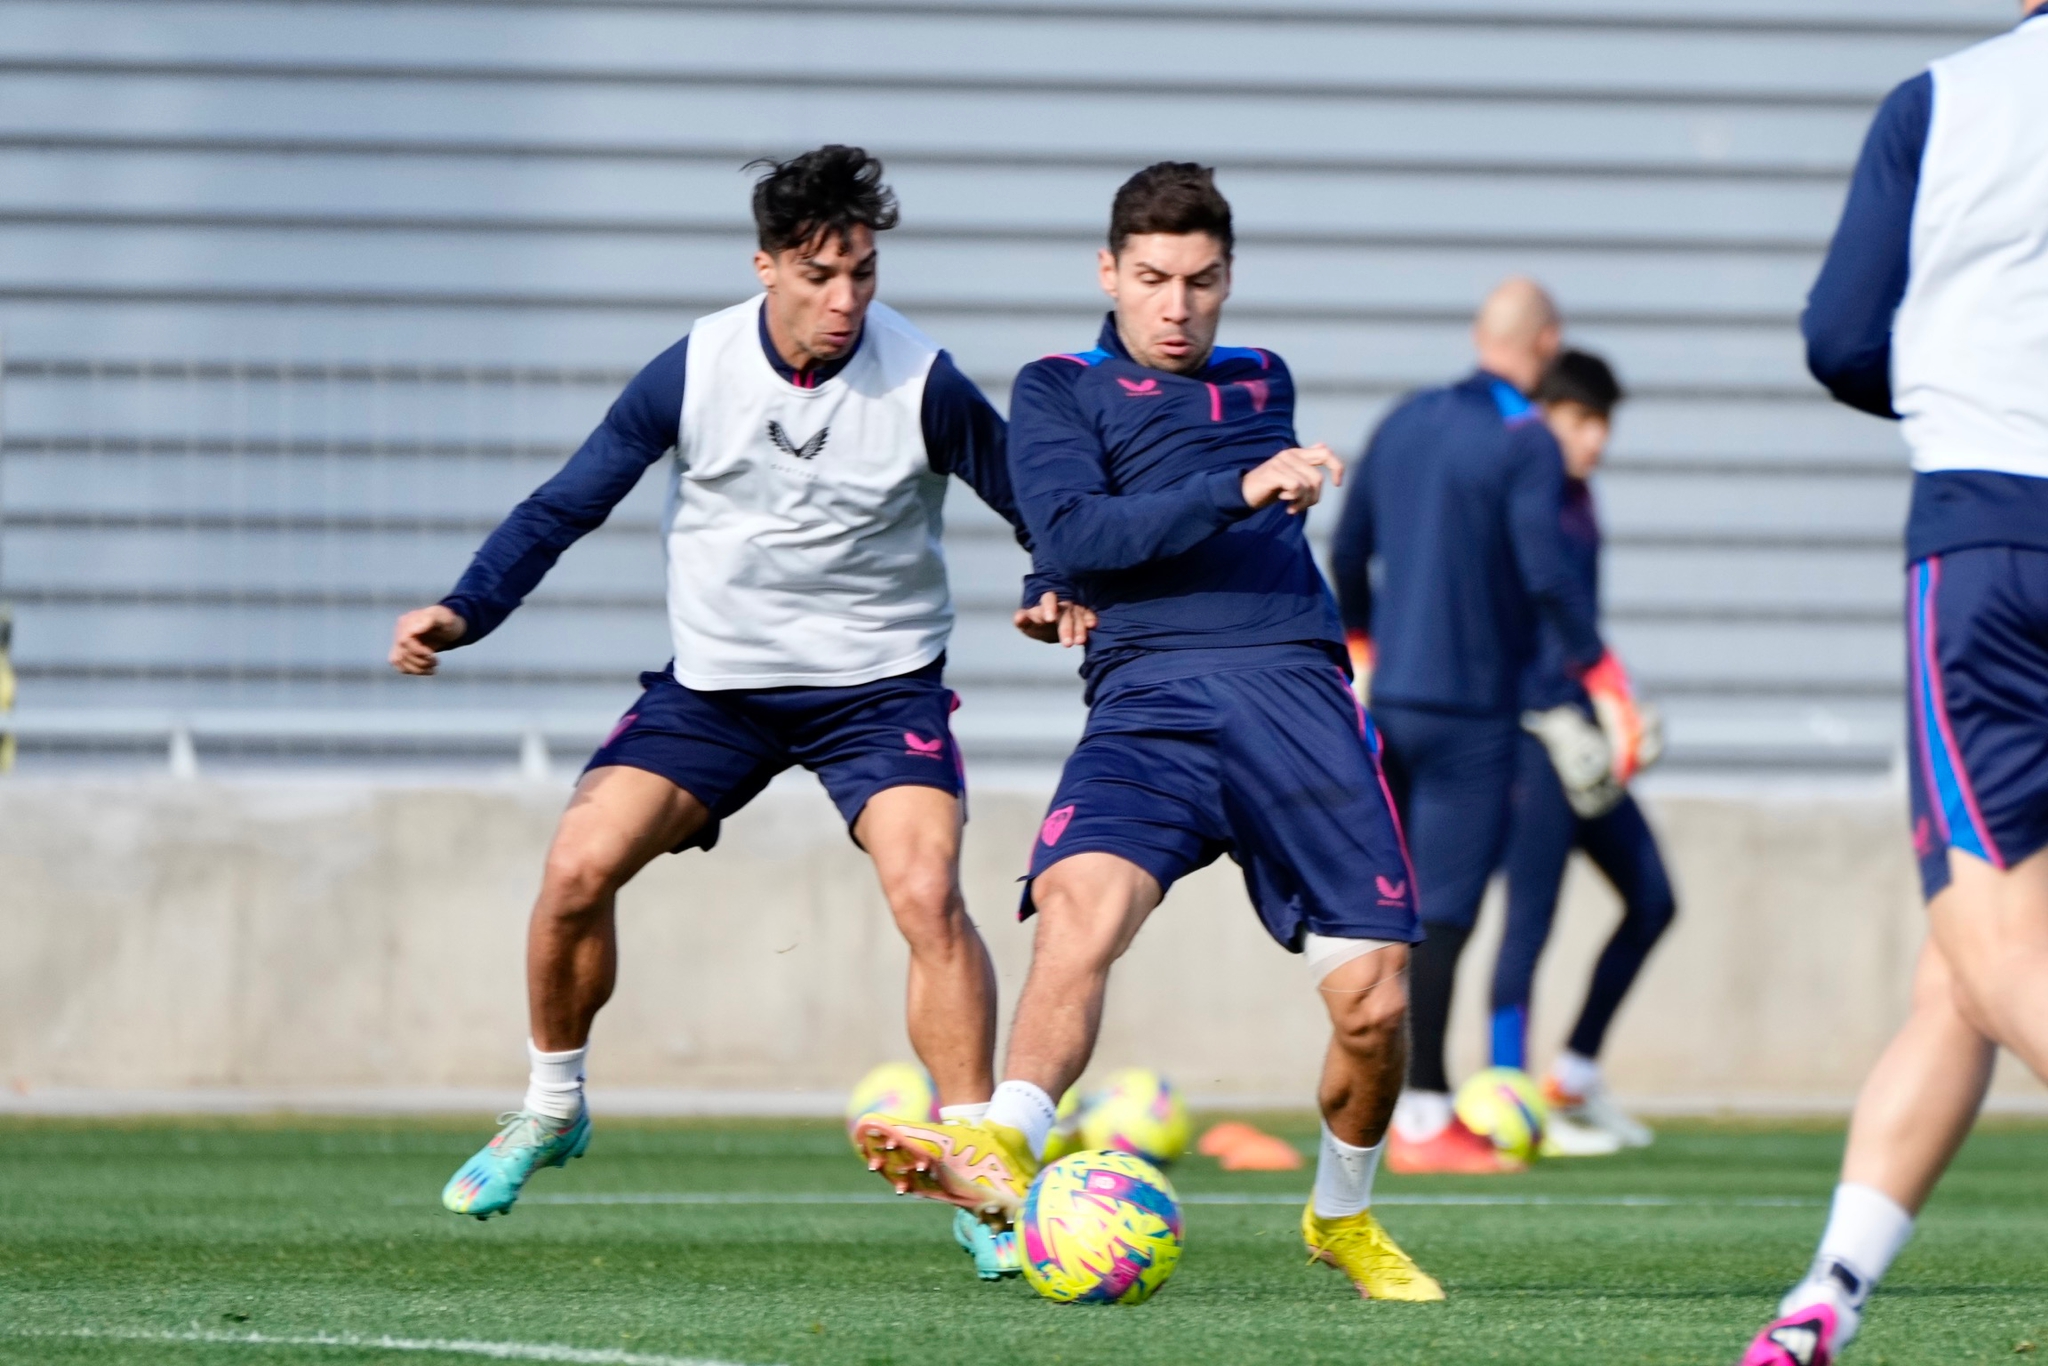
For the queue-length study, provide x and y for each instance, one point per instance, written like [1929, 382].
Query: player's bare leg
[1363, 1070]
[618, 820]
[913, 835]
[1362, 1073]
[1977, 987]
[1090, 906]
[1917, 1105]
[1992, 926]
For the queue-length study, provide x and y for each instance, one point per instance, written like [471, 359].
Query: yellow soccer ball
[901, 1090]
[1066, 1129]
[1139, 1112]
[1099, 1228]
[1505, 1104]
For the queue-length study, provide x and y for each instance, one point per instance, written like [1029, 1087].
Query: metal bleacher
[298, 299]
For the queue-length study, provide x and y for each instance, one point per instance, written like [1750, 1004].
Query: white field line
[498, 1351]
[1249, 1198]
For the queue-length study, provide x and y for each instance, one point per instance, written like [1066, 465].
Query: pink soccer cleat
[1805, 1337]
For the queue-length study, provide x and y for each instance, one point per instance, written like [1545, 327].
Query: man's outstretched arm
[639, 429]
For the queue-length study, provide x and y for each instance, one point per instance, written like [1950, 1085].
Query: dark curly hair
[1583, 378]
[1170, 196]
[825, 192]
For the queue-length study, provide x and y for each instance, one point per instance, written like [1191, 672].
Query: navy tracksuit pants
[1543, 831]
[1451, 774]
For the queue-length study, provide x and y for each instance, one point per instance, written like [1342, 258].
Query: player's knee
[1075, 920]
[578, 880]
[925, 899]
[1368, 1019]
[1653, 911]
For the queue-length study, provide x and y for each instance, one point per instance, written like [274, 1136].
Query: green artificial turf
[297, 1229]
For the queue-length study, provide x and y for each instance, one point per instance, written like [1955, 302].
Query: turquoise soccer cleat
[488, 1183]
[995, 1253]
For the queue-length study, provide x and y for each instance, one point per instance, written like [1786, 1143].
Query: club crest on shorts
[1055, 826]
[807, 451]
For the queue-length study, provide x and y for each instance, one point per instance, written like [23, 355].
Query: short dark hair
[1583, 378]
[823, 192]
[1170, 196]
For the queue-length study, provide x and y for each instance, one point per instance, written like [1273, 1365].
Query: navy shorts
[1274, 765]
[1977, 706]
[723, 747]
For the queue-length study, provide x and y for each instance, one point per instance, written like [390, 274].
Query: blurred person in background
[1932, 309]
[1569, 794]
[814, 430]
[1449, 554]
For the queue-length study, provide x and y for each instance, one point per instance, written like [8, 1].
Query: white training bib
[1970, 344]
[803, 524]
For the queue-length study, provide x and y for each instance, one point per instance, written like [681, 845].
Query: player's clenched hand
[1055, 621]
[1293, 477]
[421, 635]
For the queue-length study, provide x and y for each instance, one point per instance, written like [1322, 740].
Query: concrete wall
[349, 935]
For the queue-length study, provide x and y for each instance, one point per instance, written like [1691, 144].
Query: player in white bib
[1932, 308]
[814, 431]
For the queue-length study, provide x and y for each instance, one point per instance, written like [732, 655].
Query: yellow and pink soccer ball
[1504, 1104]
[1066, 1128]
[901, 1090]
[1137, 1111]
[1099, 1228]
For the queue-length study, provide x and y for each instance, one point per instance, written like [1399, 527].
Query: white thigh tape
[1326, 954]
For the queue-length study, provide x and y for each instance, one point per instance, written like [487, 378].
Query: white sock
[1025, 1108]
[554, 1085]
[1420, 1116]
[1344, 1176]
[970, 1113]
[1575, 1074]
[1866, 1229]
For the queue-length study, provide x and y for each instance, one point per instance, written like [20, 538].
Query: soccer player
[1458, 502]
[1929, 309]
[1162, 474]
[1577, 394]
[814, 432]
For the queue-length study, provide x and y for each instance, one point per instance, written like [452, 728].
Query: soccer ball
[1137, 1112]
[1099, 1228]
[901, 1090]
[1505, 1105]
[1065, 1136]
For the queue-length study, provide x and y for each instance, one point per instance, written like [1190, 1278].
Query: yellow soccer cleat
[1357, 1246]
[983, 1168]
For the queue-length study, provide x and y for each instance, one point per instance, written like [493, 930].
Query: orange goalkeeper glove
[1634, 730]
[1360, 646]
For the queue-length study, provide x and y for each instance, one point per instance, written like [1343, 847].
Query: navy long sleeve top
[1130, 481]
[1848, 317]
[963, 435]
[1457, 500]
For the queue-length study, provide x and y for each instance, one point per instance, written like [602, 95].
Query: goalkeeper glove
[1583, 759]
[1634, 730]
[1360, 646]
